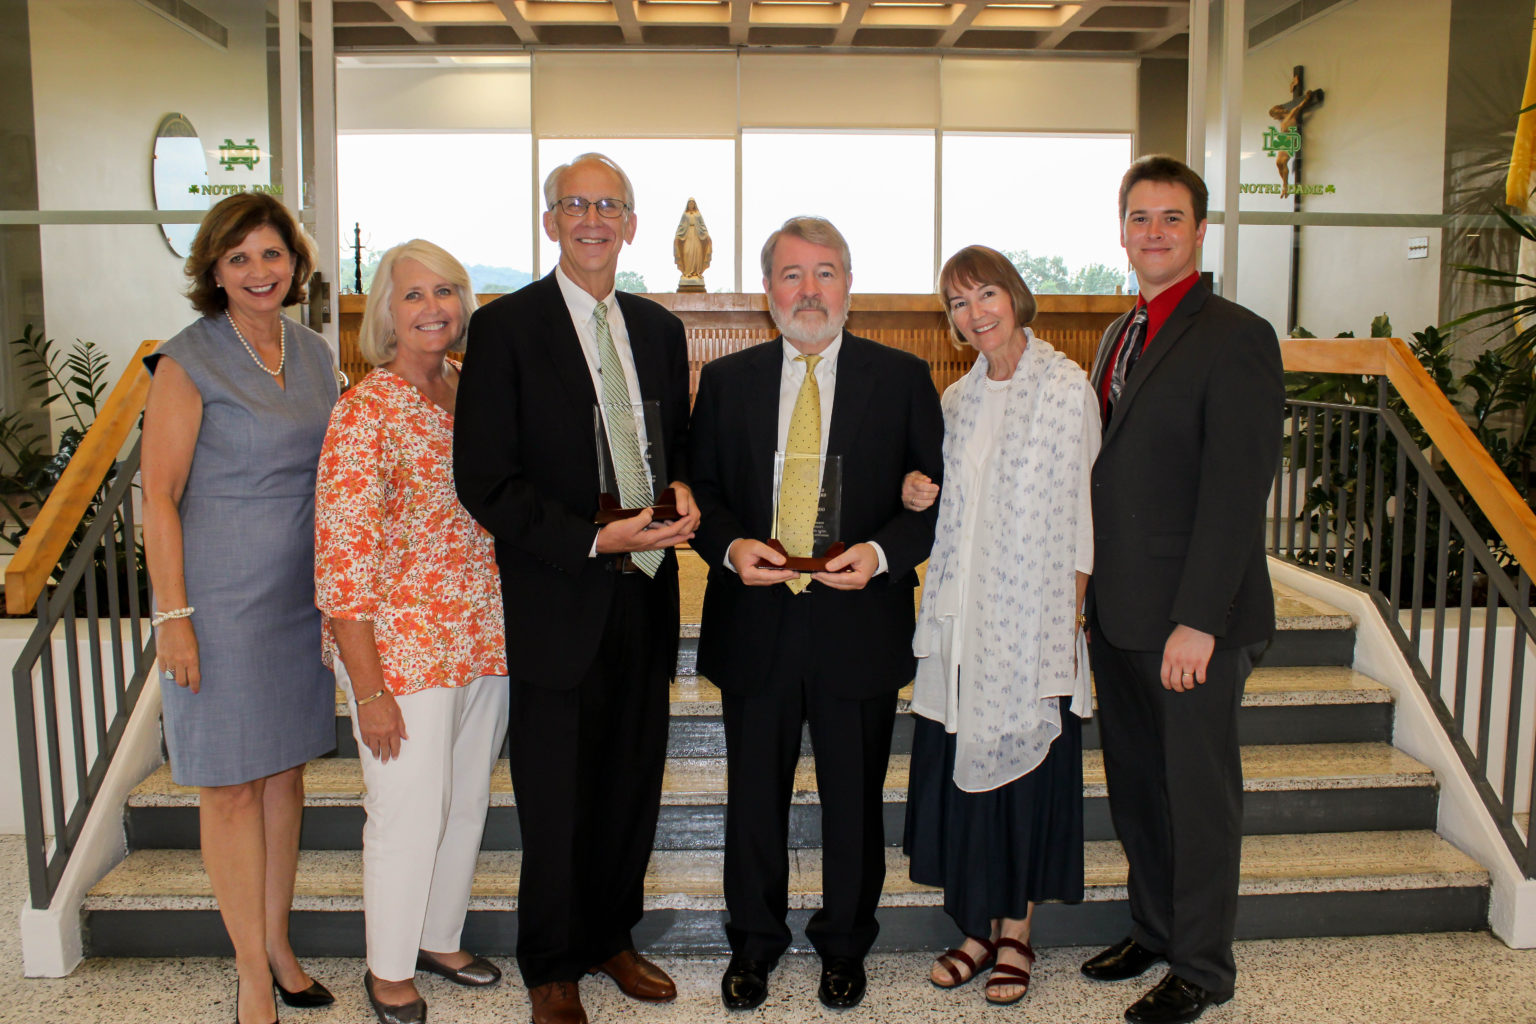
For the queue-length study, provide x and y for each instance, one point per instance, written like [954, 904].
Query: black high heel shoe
[305, 999]
[237, 1004]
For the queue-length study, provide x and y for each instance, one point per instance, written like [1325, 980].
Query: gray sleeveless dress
[267, 702]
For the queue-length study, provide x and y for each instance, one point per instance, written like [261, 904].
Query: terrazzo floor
[1411, 979]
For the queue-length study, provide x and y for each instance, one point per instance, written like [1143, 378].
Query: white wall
[104, 73]
[1379, 138]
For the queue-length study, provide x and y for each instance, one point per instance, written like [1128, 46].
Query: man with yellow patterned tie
[829, 648]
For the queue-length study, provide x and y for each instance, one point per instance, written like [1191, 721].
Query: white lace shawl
[999, 617]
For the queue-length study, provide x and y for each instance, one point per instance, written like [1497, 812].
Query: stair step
[701, 780]
[1328, 883]
[1320, 704]
[1290, 788]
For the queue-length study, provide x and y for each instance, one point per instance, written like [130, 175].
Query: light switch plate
[1418, 248]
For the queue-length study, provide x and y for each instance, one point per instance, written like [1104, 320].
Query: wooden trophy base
[609, 510]
[805, 564]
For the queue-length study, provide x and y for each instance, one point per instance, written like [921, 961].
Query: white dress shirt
[791, 378]
[582, 307]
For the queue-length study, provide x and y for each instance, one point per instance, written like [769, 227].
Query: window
[1053, 197]
[467, 192]
[666, 173]
[877, 187]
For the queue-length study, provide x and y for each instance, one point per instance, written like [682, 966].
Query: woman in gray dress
[233, 425]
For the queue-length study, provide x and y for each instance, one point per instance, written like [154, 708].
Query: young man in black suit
[1180, 601]
[834, 652]
[591, 620]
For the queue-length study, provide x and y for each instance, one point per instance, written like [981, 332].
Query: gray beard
[799, 335]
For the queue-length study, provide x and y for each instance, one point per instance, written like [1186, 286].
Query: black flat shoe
[842, 983]
[1125, 959]
[1173, 1001]
[478, 973]
[744, 985]
[413, 1012]
[305, 999]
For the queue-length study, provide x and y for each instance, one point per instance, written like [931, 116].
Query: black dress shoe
[842, 982]
[744, 985]
[413, 1012]
[305, 999]
[1125, 959]
[1173, 1001]
[478, 973]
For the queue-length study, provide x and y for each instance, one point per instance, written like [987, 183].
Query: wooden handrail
[1508, 512]
[40, 549]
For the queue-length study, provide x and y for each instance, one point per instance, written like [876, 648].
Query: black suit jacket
[1179, 486]
[526, 466]
[886, 421]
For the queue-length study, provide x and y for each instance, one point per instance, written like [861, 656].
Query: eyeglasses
[576, 206]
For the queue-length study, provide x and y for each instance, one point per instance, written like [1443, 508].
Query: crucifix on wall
[1283, 142]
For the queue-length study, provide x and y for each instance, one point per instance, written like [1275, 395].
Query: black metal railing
[1357, 499]
[69, 724]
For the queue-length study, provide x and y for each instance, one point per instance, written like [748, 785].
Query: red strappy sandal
[1007, 975]
[950, 957]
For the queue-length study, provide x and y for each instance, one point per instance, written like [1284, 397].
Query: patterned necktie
[1126, 360]
[635, 489]
[800, 486]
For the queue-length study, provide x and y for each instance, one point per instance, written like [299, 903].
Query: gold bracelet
[373, 696]
[1082, 620]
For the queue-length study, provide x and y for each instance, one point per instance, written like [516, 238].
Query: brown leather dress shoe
[557, 1003]
[637, 977]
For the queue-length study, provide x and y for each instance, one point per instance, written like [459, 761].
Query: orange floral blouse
[394, 546]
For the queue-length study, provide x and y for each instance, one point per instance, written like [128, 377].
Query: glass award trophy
[807, 510]
[631, 463]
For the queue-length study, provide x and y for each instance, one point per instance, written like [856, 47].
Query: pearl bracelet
[174, 613]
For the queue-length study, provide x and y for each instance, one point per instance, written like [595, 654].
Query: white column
[1199, 69]
[288, 116]
[1233, 51]
[323, 96]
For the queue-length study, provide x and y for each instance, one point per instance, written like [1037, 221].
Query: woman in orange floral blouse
[412, 602]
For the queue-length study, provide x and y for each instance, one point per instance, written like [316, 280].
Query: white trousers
[426, 814]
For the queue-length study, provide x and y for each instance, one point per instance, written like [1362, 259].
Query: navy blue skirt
[996, 852]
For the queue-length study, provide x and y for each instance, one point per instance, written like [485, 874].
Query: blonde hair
[376, 337]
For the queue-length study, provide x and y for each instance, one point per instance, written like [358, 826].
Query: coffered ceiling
[1100, 28]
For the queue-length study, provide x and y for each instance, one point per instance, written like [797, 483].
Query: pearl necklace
[282, 346]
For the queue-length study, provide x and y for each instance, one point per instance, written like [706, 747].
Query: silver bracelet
[174, 613]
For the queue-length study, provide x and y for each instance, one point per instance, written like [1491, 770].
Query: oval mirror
[179, 172]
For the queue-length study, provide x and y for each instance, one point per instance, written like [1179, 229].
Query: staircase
[1339, 830]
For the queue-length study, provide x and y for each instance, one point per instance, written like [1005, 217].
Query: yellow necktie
[800, 486]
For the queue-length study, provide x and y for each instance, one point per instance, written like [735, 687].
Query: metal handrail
[56, 802]
[1356, 499]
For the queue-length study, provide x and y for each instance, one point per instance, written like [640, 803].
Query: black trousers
[851, 740]
[586, 770]
[1175, 774]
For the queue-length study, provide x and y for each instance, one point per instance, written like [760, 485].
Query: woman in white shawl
[994, 811]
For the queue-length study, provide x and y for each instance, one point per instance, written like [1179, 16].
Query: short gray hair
[817, 231]
[552, 182]
[376, 337]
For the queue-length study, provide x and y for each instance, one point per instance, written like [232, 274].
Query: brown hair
[225, 227]
[977, 265]
[1173, 172]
